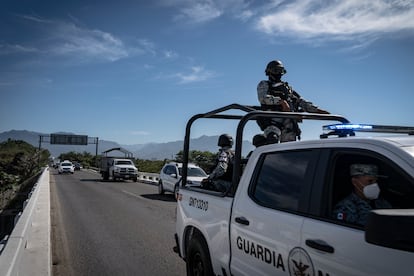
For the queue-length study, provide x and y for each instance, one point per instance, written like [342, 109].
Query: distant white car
[66, 167]
[170, 176]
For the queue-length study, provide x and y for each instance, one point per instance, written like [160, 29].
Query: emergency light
[343, 130]
[354, 127]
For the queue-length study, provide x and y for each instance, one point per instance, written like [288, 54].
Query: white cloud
[7, 49]
[147, 46]
[170, 54]
[68, 39]
[337, 19]
[197, 74]
[78, 44]
[140, 133]
[245, 15]
[200, 12]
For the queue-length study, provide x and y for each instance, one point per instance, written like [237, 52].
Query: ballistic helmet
[225, 140]
[275, 67]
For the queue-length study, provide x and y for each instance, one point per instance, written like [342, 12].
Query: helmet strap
[275, 77]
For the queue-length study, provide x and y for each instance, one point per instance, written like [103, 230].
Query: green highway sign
[67, 139]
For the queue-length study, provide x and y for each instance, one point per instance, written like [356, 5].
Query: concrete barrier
[27, 251]
[150, 178]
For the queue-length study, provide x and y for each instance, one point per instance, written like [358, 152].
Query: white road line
[132, 194]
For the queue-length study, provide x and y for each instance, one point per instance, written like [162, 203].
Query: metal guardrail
[27, 250]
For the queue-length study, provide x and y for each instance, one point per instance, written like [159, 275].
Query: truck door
[268, 212]
[337, 247]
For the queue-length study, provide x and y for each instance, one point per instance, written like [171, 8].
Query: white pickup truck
[277, 217]
[117, 167]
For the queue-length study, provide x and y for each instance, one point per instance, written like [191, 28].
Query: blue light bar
[345, 128]
[354, 127]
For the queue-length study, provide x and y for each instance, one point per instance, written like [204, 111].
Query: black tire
[105, 175]
[198, 258]
[176, 189]
[135, 179]
[160, 188]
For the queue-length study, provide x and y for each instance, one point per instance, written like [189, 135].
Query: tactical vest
[228, 175]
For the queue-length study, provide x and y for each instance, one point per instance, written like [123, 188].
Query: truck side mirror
[392, 228]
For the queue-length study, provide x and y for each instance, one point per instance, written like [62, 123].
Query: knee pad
[271, 130]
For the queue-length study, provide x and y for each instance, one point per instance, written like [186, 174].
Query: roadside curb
[28, 248]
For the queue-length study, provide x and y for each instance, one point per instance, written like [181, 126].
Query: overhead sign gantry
[68, 139]
[65, 139]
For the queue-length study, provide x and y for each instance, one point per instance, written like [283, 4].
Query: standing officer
[276, 95]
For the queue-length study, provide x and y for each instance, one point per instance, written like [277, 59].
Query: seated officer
[365, 196]
[221, 177]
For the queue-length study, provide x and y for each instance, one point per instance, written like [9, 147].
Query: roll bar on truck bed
[251, 113]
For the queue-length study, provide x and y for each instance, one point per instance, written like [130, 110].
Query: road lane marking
[132, 194]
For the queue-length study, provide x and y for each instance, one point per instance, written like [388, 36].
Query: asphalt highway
[111, 228]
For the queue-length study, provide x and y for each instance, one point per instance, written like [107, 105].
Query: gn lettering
[198, 203]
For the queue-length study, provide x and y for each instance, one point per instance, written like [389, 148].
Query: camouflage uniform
[276, 95]
[272, 95]
[222, 174]
[354, 209]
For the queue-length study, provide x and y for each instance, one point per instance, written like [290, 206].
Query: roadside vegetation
[204, 159]
[19, 162]
[86, 159]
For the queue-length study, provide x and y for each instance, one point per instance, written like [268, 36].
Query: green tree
[150, 166]
[19, 161]
[203, 159]
[84, 158]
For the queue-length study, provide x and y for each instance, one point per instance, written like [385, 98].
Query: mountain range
[149, 151]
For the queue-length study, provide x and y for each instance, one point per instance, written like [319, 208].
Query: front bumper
[66, 171]
[125, 175]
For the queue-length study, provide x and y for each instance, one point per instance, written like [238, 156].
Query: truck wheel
[198, 258]
[105, 175]
[135, 179]
[160, 188]
[176, 189]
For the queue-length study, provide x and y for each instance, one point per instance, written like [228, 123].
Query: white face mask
[371, 191]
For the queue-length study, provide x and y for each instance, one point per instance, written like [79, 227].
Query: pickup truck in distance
[117, 167]
[277, 217]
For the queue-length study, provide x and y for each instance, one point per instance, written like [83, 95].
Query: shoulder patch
[341, 216]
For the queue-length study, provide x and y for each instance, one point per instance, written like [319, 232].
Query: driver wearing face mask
[364, 198]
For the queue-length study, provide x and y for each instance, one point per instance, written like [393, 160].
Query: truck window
[123, 162]
[396, 186]
[282, 178]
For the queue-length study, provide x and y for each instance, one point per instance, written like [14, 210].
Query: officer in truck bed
[276, 95]
[220, 178]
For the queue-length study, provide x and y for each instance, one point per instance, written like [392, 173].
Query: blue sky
[135, 73]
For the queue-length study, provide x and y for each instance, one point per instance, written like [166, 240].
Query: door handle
[242, 220]
[320, 245]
